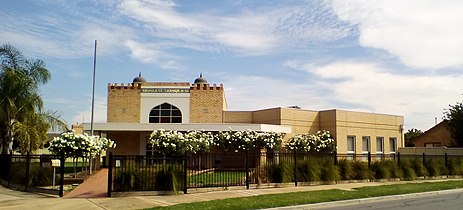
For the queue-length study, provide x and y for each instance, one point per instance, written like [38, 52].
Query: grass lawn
[297, 198]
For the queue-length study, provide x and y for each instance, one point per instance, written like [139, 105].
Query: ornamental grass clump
[308, 170]
[418, 166]
[455, 166]
[329, 171]
[279, 172]
[361, 170]
[435, 167]
[408, 172]
[346, 169]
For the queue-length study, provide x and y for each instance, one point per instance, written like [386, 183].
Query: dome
[139, 79]
[200, 80]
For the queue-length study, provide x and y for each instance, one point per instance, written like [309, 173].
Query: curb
[366, 200]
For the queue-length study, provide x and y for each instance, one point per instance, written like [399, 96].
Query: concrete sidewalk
[10, 199]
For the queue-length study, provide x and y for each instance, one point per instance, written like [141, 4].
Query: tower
[207, 103]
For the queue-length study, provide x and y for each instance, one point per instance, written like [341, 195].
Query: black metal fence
[33, 173]
[220, 169]
[224, 169]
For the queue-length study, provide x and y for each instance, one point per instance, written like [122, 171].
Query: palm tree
[21, 108]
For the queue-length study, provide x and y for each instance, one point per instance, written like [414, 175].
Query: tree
[22, 118]
[454, 118]
[410, 135]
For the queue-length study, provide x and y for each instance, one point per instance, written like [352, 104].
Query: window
[379, 145]
[392, 144]
[350, 147]
[432, 145]
[365, 147]
[165, 113]
[350, 144]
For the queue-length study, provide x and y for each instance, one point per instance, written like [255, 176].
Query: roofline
[185, 127]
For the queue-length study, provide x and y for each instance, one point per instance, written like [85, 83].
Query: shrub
[419, 168]
[435, 167]
[308, 170]
[329, 171]
[361, 170]
[381, 170]
[386, 169]
[129, 179]
[455, 166]
[40, 176]
[170, 178]
[346, 170]
[406, 167]
[279, 173]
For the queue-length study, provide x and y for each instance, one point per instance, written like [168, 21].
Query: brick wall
[207, 103]
[124, 103]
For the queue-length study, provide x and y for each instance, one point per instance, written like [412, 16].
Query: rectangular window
[350, 147]
[365, 147]
[392, 144]
[365, 144]
[379, 147]
[350, 144]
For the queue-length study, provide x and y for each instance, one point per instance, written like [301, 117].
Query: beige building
[138, 108]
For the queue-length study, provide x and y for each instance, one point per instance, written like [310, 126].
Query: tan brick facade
[124, 103]
[204, 103]
[207, 103]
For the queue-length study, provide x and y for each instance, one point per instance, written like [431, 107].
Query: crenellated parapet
[124, 86]
[206, 87]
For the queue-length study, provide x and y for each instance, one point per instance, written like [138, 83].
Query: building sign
[165, 90]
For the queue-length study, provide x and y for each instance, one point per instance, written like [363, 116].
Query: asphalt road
[442, 200]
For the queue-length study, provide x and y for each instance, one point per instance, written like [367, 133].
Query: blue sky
[382, 56]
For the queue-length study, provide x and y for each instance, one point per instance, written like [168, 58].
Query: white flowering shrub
[271, 140]
[177, 142]
[195, 141]
[318, 142]
[79, 145]
[236, 140]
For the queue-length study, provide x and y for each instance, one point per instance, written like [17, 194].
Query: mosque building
[136, 109]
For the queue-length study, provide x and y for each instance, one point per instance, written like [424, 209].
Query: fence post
[28, 163]
[398, 158]
[247, 168]
[110, 174]
[369, 159]
[10, 161]
[424, 158]
[61, 174]
[295, 167]
[446, 160]
[335, 156]
[185, 174]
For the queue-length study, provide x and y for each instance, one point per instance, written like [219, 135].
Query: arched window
[165, 113]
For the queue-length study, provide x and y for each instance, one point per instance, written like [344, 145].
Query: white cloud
[367, 86]
[257, 92]
[99, 112]
[260, 30]
[152, 53]
[423, 34]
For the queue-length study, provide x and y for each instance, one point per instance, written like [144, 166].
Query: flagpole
[93, 101]
[93, 92]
